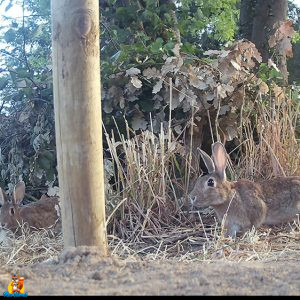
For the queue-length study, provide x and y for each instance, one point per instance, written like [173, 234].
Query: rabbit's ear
[19, 192]
[208, 161]
[3, 198]
[220, 159]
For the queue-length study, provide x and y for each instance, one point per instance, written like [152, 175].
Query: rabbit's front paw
[232, 230]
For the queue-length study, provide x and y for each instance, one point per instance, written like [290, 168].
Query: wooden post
[77, 104]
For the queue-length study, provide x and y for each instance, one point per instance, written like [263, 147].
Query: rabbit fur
[44, 213]
[245, 203]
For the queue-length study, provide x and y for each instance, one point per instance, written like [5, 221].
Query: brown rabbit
[246, 203]
[43, 213]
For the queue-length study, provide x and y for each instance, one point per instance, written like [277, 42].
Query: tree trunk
[259, 26]
[247, 9]
[77, 104]
[175, 20]
[267, 13]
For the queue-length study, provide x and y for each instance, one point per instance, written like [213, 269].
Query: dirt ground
[83, 271]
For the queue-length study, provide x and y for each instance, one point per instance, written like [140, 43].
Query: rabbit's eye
[12, 211]
[211, 182]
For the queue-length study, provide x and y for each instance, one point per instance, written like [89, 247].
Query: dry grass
[209, 244]
[148, 183]
[275, 151]
[189, 243]
[147, 215]
[28, 247]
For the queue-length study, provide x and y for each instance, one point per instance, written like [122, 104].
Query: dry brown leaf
[176, 50]
[196, 82]
[285, 46]
[132, 72]
[157, 87]
[235, 65]
[169, 65]
[212, 52]
[272, 64]
[263, 88]
[224, 89]
[278, 92]
[151, 73]
[282, 38]
[139, 122]
[285, 29]
[107, 106]
[224, 109]
[224, 53]
[178, 129]
[136, 82]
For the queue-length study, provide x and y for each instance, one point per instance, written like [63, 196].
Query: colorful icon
[16, 287]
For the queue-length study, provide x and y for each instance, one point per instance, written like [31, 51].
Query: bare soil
[82, 271]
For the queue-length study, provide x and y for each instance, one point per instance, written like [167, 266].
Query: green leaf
[188, 48]
[3, 83]
[22, 73]
[44, 5]
[10, 36]
[146, 105]
[9, 6]
[45, 93]
[49, 155]
[156, 46]
[17, 96]
[296, 37]
[44, 163]
[275, 74]
[169, 46]
[50, 174]
[37, 32]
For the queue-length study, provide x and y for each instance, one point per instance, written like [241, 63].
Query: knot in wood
[83, 23]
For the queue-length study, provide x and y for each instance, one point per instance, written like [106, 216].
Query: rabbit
[43, 213]
[246, 203]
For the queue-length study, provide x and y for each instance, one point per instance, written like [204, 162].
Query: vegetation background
[176, 75]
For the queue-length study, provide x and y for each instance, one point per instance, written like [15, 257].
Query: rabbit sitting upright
[44, 213]
[246, 203]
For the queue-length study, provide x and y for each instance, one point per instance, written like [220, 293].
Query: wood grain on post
[78, 125]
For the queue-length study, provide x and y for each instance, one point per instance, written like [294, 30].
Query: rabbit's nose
[192, 199]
